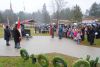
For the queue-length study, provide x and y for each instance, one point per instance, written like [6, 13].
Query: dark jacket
[16, 35]
[7, 34]
[60, 32]
[92, 33]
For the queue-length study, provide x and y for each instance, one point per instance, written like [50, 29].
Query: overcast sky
[34, 5]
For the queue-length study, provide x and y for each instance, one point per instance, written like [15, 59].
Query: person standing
[64, 31]
[60, 32]
[87, 33]
[83, 33]
[78, 37]
[17, 37]
[91, 36]
[52, 31]
[7, 35]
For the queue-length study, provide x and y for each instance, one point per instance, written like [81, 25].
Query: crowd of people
[78, 33]
[41, 28]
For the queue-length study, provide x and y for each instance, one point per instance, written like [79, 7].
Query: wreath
[57, 62]
[33, 58]
[43, 61]
[81, 63]
[24, 54]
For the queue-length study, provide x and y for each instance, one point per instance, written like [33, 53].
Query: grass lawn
[97, 42]
[18, 61]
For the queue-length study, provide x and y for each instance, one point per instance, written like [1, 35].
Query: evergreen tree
[1, 18]
[77, 14]
[95, 10]
[45, 14]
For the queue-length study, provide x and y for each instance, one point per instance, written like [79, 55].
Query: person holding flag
[17, 35]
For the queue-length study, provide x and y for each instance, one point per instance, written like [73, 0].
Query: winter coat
[60, 32]
[7, 34]
[78, 36]
[92, 34]
[16, 35]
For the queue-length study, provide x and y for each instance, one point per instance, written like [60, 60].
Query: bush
[57, 62]
[24, 54]
[43, 61]
[81, 63]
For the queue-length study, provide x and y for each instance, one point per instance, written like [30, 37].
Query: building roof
[28, 21]
[61, 21]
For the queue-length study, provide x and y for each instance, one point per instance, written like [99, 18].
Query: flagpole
[8, 21]
[23, 7]
[11, 6]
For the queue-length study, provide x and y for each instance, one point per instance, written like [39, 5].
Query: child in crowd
[75, 34]
[78, 37]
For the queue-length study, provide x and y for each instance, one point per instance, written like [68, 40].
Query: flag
[11, 6]
[18, 25]
[8, 21]
[23, 6]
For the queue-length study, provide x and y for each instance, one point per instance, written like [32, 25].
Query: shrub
[43, 61]
[81, 63]
[58, 61]
[24, 54]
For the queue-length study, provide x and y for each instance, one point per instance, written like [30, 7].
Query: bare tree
[58, 5]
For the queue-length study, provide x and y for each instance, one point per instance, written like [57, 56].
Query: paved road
[45, 44]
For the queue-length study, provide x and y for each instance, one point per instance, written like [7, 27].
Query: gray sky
[34, 5]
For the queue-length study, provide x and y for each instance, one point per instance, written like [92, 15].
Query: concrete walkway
[45, 44]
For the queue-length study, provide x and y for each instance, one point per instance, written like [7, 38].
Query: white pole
[8, 21]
